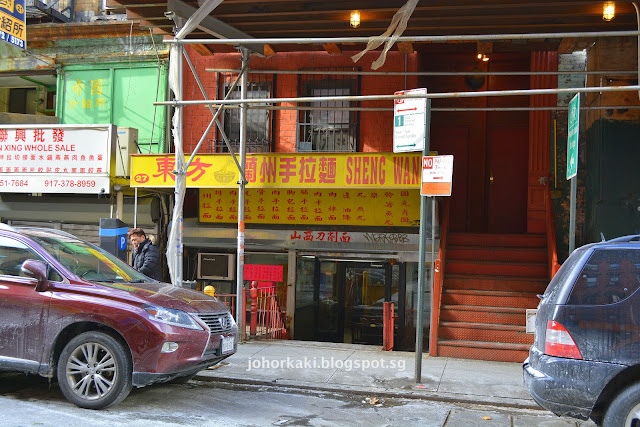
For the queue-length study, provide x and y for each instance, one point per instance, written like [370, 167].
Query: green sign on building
[120, 94]
[573, 133]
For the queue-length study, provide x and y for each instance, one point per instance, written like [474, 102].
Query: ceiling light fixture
[609, 11]
[354, 19]
[483, 57]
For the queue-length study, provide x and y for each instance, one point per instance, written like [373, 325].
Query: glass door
[364, 290]
[329, 312]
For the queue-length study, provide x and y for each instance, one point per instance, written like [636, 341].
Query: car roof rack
[623, 239]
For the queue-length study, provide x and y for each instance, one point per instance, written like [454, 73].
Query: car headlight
[171, 316]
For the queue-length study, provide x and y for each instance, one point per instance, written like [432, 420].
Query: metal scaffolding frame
[177, 52]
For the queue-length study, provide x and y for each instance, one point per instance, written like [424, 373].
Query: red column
[254, 308]
[388, 326]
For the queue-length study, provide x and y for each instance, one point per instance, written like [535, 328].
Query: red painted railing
[267, 311]
[267, 314]
[438, 276]
[230, 301]
[552, 253]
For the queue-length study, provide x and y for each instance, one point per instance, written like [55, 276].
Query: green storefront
[118, 93]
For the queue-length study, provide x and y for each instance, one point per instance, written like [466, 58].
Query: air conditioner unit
[216, 266]
[127, 145]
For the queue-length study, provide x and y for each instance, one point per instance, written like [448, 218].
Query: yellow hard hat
[209, 290]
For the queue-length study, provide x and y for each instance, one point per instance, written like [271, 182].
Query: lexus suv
[585, 360]
[71, 310]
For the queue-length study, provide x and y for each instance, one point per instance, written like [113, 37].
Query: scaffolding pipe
[241, 187]
[181, 174]
[429, 73]
[441, 95]
[216, 114]
[443, 109]
[411, 39]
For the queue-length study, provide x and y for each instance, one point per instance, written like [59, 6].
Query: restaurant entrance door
[348, 300]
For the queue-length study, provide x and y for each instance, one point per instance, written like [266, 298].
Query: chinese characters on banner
[313, 207]
[12, 23]
[285, 170]
[55, 158]
[264, 273]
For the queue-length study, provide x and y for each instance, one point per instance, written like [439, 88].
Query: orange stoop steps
[489, 282]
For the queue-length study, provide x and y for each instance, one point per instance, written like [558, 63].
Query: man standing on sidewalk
[145, 256]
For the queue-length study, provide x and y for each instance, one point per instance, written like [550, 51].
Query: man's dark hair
[137, 232]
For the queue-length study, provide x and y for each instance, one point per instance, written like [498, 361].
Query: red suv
[70, 309]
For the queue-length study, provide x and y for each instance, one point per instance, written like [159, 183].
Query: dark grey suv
[585, 361]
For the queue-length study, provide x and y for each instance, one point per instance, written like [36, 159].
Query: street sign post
[409, 120]
[573, 133]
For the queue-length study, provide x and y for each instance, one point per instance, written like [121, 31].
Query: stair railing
[552, 252]
[438, 276]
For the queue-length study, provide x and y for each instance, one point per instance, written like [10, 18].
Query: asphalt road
[34, 401]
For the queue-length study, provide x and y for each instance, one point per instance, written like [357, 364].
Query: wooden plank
[406, 47]
[332, 48]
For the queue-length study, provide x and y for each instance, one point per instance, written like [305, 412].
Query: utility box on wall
[127, 144]
[113, 237]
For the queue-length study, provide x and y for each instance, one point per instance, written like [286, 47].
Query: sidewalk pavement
[369, 371]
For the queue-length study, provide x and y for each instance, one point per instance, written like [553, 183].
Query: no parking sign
[437, 175]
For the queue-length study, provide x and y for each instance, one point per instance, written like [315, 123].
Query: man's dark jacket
[146, 259]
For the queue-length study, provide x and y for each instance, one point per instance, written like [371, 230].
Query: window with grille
[328, 125]
[259, 120]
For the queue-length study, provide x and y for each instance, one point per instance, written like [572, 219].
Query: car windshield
[86, 260]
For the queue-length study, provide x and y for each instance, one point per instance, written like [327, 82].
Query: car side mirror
[38, 270]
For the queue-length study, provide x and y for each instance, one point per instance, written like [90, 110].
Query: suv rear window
[609, 276]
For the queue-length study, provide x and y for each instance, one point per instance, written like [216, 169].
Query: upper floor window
[259, 120]
[328, 125]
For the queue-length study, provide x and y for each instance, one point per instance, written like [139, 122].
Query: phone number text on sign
[14, 182]
[36, 183]
[70, 183]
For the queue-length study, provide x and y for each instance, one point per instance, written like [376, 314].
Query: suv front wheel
[624, 411]
[94, 371]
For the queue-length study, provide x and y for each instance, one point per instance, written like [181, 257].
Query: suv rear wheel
[624, 411]
[94, 371]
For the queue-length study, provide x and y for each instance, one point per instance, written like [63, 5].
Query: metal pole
[215, 114]
[180, 174]
[241, 187]
[442, 95]
[413, 39]
[421, 257]
[430, 73]
[135, 208]
[421, 272]
[572, 215]
[444, 109]
[433, 257]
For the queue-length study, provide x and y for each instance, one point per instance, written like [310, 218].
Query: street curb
[440, 397]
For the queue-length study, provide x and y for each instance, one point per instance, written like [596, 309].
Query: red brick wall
[376, 127]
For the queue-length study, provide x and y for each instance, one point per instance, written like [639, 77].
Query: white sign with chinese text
[56, 158]
[409, 121]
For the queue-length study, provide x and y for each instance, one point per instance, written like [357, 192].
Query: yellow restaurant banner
[285, 170]
[383, 207]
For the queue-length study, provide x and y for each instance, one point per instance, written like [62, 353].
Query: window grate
[327, 126]
[260, 123]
